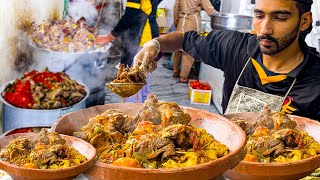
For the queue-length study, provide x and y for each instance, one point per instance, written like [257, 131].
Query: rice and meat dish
[274, 138]
[62, 35]
[47, 151]
[314, 176]
[157, 137]
[130, 75]
[44, 90]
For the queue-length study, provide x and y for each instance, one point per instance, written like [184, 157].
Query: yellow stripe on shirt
[146, 33]
[265, 79]
[133, 5]
[146, 6]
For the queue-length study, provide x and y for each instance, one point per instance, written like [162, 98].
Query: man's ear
[306, 20]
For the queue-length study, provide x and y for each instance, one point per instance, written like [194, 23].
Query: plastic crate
[199, 96]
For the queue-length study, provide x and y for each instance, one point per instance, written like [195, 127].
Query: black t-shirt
[230, 50]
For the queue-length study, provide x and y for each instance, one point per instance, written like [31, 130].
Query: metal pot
[90, 68]
[231, 21]
[15, 117]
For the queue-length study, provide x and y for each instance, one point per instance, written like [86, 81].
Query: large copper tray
[223, 130]
[278, 171]
[21, 173]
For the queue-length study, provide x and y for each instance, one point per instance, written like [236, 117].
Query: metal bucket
[90, 69]
[15, 117]
[231, 21]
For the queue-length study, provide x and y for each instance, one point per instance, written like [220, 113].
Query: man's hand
[145, 58]
[102, 40]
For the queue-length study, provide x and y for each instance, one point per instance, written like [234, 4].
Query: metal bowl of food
[296, 169]
[231, 21]
[221, 129]
[66, 45]
[88, 67]
[17, 117]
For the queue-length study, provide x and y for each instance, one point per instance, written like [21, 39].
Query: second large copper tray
[223, 130]
[278, 171]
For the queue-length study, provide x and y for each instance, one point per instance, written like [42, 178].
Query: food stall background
[16, 55]
[13, 16]
[215, 76]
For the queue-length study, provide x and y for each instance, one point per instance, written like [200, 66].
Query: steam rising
[14, 15]
[87, 9]
[111, 16]
[15, 57]
[83, 8]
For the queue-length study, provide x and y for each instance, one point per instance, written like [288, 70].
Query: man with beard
[275, 66]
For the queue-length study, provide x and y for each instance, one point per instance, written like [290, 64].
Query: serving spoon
[127, 89]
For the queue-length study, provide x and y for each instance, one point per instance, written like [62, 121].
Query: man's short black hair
[303, 7]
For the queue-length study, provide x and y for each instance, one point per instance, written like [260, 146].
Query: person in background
[273, 67]
[138, 25]
[187, 18]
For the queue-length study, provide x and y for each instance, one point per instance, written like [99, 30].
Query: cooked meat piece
[23, 142]
[121, 67]
[130, 75]
[130, 125]
[268, 147]
[60, 150]
[183, 136]
[114, 120]
[172, 114]
[100, 138]
[149, 112]
[49, 138]
[271, 120]
[111, 120]
[42, 137]
[291, 138]
[159, 113]
[103, 140]
[44, 157]
[282, 121]
[245, 125]
[264, 119]
[152, 147]
[274, 120]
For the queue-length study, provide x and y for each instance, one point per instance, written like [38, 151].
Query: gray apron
[244, 99]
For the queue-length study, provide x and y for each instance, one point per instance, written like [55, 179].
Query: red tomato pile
[45, 78]
[19, 92]
[198, 85]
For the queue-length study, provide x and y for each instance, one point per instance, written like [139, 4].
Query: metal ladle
[125, 89]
